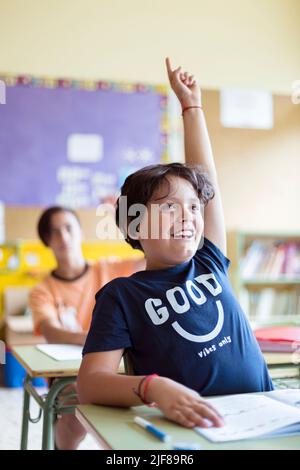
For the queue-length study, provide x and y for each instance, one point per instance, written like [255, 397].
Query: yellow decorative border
[93, 85]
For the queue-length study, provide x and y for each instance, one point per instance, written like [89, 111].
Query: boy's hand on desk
[182, 404]
[184, 86]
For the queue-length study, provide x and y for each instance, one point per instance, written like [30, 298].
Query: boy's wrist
[191, 110]
[187, 104]
[80, 338]
[155, 383]
[190, 101]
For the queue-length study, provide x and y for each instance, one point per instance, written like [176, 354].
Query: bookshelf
[266, 276]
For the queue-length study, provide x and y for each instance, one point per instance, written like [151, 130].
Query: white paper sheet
[85, 148]
[61, 352]
[251, 416]
[291, 396]
[246, 109]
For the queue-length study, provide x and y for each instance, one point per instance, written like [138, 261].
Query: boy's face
[65, 236]
[175, 221]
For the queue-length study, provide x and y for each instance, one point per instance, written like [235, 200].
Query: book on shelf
[278, 347]
[272, 304]
[289, 263]
[278, 338]
[252, 259]
[255, 416]
[272, 259]
[264, 307]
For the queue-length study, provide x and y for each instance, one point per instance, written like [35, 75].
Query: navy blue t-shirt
[183, 323]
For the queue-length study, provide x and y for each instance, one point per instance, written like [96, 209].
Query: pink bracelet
[147, 379]
[190, 107]
[147, 382]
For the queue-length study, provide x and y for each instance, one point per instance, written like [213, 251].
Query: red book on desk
[278, 338]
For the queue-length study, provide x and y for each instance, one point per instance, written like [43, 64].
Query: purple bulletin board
[73, 143]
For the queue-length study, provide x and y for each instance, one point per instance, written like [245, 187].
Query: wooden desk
[38, 364]
[113, 428]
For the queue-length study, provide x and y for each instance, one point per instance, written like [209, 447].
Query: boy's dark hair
[44, 223]
[140, 186]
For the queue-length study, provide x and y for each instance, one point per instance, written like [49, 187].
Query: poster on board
[73, 143]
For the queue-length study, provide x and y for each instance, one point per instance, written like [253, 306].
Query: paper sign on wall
[246, 109]
[85, 148]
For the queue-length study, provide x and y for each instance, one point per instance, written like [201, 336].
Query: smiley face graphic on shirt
[159, 313]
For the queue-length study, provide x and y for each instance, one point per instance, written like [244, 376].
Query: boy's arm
[46, 323]
[98, 382]
[198, 149]
[54, 333]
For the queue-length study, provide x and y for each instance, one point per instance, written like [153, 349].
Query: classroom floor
[11, 402]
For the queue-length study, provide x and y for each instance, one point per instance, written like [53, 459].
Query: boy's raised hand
[184, 86]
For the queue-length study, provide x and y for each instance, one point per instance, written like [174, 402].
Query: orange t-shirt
[72, 302]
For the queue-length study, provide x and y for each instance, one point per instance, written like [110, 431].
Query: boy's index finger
[169, 68]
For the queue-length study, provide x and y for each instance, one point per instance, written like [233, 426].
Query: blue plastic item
[186, 446]
[14, 373]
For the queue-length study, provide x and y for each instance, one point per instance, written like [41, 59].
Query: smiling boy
[182, 304]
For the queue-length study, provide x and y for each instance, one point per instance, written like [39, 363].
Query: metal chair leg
[50, 411]
[26, 414]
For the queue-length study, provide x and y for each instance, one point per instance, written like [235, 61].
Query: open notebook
[61, 352]
[251, 416]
